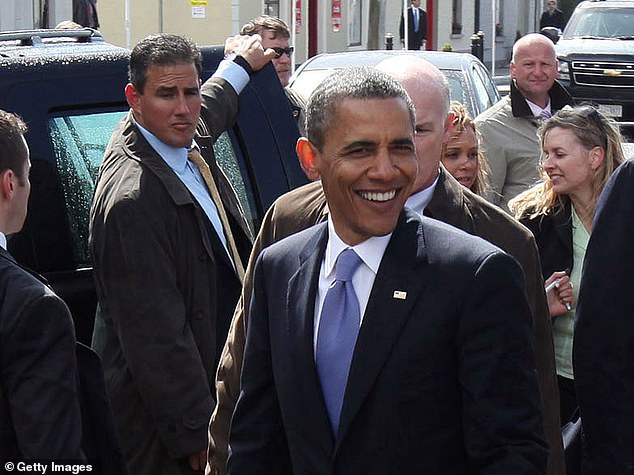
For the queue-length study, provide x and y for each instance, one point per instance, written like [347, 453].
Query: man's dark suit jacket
[166, 290]
[452, 204]
[40, 415]
[414, 38]
[555, 19]
[85, 13]
[603, 348]
[441, 382]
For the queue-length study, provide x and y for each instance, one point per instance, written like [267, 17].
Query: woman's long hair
[461, 121]
[592, 129]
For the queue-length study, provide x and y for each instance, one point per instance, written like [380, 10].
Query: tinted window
[228, 161]
[79, 142]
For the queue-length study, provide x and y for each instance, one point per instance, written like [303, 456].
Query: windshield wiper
[591, 37]
[624, 37]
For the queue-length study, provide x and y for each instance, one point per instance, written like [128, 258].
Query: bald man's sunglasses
[280, 51]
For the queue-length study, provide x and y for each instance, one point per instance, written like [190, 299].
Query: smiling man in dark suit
[437, 373]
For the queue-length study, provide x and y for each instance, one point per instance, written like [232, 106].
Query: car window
[601, 22]
[459, 90]
[238, 176]
[481, 75]
[79, 142]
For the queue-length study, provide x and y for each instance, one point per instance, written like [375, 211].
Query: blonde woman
[461, 155]
[581, 149]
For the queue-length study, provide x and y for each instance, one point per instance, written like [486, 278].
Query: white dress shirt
[3, 241]
[418, 201]
[537, 111]
[371, 253]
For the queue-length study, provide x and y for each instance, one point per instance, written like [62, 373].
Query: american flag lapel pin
[399, 294]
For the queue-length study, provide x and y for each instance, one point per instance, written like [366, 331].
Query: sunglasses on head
[280, 51]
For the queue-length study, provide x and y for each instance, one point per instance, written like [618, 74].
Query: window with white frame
[272, 7]
[355, 10]
[456, 17]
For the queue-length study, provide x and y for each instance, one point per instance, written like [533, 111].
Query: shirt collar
[3, 241]
[175, 157]
[536, 110]
[370, 251]
[418, 201]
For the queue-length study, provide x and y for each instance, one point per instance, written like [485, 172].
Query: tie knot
[544, 114]
[347, 263]
[195, 156]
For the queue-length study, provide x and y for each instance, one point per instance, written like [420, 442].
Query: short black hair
[12, 156]
[359, 82]
[163, 49]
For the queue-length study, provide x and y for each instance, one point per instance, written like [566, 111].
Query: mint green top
[563, 326]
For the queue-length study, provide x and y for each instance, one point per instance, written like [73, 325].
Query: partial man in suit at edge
[437, 373]
[40, 415]
[437, 195]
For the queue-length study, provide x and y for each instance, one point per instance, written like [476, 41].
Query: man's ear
[132, 95]
[306, 152]
[6, 184]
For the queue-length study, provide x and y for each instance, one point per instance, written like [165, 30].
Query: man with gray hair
[366, 332]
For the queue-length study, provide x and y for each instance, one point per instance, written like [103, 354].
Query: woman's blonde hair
[592, 129]
[461, 121]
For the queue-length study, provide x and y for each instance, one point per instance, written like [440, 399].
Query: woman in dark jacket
[581, 149]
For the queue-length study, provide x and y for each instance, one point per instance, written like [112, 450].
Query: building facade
[318, 25]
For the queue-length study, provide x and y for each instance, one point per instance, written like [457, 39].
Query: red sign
[298, 16]
[335, 15]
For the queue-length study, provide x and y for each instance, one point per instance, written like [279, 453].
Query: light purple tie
[338, 330]
[544, 114]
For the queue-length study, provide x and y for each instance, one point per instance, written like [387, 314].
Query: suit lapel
[300, 304]
[386, 314]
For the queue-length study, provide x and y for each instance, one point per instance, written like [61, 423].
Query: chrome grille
[603, 73]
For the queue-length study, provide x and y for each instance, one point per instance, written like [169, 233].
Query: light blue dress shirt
[187, 171]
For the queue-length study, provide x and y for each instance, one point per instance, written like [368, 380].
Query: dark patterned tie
[338, 330]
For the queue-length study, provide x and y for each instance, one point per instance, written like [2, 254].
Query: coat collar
[448, 203]
[559, 98]
[137, 148]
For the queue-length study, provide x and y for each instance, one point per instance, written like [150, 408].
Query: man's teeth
[374, 196]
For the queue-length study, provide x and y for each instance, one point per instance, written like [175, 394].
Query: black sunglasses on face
[280, 51]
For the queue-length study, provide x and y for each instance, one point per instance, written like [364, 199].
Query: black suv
[68, 86]
[596, 57]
